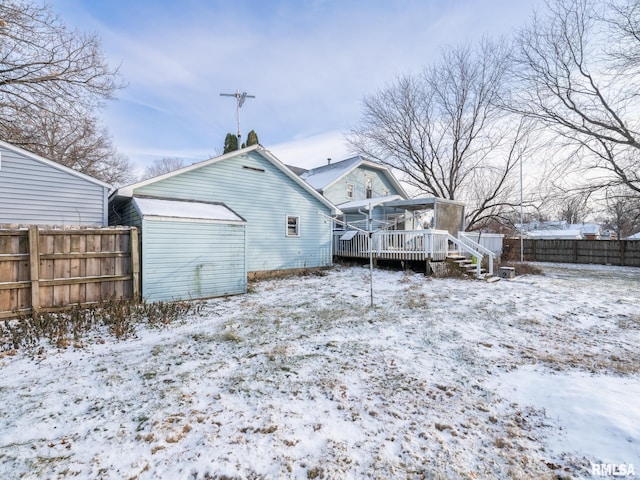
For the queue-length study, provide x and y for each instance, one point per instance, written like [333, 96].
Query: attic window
[349, 192]
[293, 226]
[369, 188]
[253, 168]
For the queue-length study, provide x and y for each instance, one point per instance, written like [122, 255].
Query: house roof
[557, 234]
[635, 236]
[323, 177]
[128, 190]
[423, 203]
[51, 163]
[356, 205]
[174, 209]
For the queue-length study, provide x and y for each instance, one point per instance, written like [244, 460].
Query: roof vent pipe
[328, 161]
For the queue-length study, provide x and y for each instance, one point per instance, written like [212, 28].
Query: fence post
[135, 263]
[34, 267]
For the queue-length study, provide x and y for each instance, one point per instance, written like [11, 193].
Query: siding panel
[336, 193]
[185, 260]
[32, 192]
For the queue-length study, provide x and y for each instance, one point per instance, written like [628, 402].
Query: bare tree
[621, 212]
[573, 207]
[579, 87]
[444, 131]
[162, 166]
[52, 82]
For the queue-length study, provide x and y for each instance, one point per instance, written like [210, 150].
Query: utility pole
[240, 98]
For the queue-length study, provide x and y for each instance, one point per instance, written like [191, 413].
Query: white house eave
[191, 219]
[128, 190]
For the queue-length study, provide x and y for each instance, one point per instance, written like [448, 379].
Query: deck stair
[468, 267]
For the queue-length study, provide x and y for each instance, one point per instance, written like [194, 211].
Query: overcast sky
[309, 64]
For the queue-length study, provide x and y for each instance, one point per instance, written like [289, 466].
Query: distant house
[635, 236]
[371, 198]
[555, 234]
[209, 226]
[564, 230]
[37, 191]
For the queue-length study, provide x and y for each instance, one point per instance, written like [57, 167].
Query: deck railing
[434, 245]
[393, 244]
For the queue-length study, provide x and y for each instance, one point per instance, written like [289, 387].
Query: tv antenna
[240, 98]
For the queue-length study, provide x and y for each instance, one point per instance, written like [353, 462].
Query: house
[37, 191]
[371, 198]
[207, 227]
[562, 234]
[380, 222]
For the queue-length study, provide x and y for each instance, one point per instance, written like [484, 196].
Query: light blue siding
[187, 260]
[263, 195]
[36, 192]
[337, 192]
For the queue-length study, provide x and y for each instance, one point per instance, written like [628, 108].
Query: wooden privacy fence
[45, 269]
[603, 252]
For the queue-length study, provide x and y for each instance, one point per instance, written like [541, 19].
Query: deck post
[371, 266]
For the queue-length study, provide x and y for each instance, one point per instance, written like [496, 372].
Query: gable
[248, 176]
[331, 180]
[357, 180]
[34, 190]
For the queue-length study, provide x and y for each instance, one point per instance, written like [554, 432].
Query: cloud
[312, 151]
[308, 63]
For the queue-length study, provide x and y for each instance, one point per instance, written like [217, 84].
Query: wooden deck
[393, 245]
[412, 245]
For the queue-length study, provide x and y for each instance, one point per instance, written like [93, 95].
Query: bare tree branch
[444, 130]
[52, 82]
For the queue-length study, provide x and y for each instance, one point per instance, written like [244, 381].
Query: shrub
[119, 316]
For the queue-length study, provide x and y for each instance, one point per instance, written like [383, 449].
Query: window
[349, 190]
[369, 187]
[293, 226]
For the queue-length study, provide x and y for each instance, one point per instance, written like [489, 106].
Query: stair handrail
[460, 244]
[472, 243]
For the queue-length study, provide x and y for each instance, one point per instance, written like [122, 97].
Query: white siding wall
[263, 195]
[32, 192]
[337, 193]
[188, 260]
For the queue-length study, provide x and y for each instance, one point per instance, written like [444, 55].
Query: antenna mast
[240, 98]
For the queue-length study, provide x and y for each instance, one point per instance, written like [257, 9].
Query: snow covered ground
[537, 377]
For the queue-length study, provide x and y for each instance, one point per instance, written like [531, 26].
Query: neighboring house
[37, 191]
[372, 198]
[635, 236]
[564, 230]
[555, 234]
[208, 226]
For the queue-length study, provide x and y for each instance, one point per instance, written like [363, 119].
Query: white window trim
[286, 226]
[368, 186]
[349, 188]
